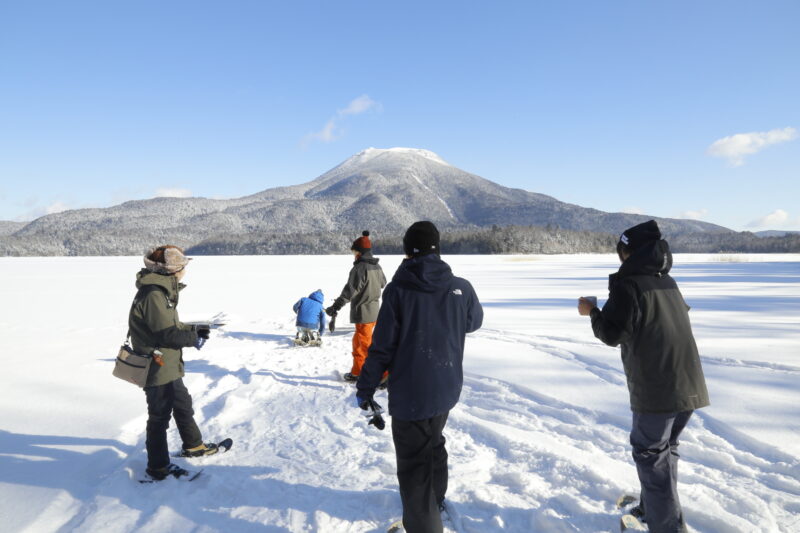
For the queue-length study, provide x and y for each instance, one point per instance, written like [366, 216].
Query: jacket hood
[427, 273]
[317, 296]
[652, 259]
[366, 257]
[168, 283]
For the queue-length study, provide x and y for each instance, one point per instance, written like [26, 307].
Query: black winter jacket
[647, 315]
[419, 338]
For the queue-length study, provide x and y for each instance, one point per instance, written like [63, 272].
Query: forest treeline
[493, 240]
[488, 240]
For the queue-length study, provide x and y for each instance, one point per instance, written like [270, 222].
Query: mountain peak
[371, 153]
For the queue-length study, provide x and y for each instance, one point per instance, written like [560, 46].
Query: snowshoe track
[305, 460]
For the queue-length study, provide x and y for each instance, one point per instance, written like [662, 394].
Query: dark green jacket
[363, 290]
[154, 325]
[646, 314]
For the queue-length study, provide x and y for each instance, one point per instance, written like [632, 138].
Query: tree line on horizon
[485, 240]
[492, 240]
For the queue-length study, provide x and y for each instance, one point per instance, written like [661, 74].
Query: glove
[368, 404]
[359, 400]
[199, 342]
[203, 332]
[337, 305]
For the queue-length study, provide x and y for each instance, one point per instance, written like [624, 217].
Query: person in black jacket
[647, 315]
[419, 338]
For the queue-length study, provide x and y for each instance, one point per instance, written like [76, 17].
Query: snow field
[539, 441]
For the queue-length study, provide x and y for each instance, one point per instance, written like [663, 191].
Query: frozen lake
[538, 443]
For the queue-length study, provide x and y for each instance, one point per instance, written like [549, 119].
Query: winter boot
[638, 512]
[159, 474]
[350, 377]
[208, 448]
[315, 340]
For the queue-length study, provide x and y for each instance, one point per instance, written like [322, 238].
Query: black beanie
[637, 236]
[421, 238]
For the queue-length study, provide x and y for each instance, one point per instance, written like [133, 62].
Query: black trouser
[164, 401]
[421, 471]
[655, 450]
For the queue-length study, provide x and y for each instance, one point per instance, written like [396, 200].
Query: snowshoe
[209, 448]
[396, 527]
[629, 522]
[315, 339]
[625, 500]
[301, 339]
[154, 475]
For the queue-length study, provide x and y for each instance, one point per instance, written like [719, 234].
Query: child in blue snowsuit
[310, 317]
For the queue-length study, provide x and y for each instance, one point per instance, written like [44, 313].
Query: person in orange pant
[363, 291]
[362, 340]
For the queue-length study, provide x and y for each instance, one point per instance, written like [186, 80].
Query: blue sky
[681, 109]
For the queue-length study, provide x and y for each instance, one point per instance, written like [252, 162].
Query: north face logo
[457, 292]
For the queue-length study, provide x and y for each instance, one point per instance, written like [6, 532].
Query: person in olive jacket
[363, 291]
[647, 315]
[156, 330]
[419, 338]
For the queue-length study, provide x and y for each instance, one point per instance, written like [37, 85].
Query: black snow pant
[654, 438]
[421, 471]
[163, 402]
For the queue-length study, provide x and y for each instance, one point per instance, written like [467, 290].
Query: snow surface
[539, 441]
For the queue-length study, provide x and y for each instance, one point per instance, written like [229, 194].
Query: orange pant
[361, 343]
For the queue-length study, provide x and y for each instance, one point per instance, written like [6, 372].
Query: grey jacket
[363, 290]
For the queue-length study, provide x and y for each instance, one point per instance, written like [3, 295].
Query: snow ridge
[371, 153]
[449, 211]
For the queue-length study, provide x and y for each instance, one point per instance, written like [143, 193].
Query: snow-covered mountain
[380, 189]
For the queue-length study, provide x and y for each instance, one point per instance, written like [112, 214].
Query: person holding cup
[647, 316]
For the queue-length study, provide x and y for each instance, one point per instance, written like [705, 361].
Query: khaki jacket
[154, 325]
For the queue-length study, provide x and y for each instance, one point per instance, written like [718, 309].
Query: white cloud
[359, 105]
[775, 220]
[331, 131]
[173, 193]
[326, 134]
[735, 147]
[36, 212]
[633, 210]
[56, 207]
[695, 215]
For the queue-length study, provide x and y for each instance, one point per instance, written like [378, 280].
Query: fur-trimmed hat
[167, 259]
[362, 244]
[421, 238]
